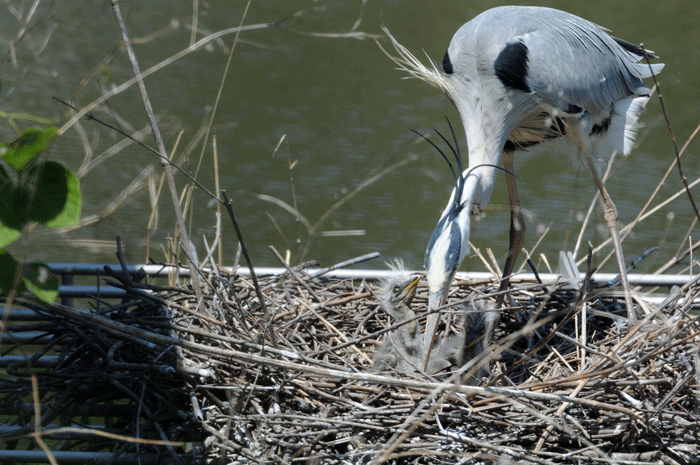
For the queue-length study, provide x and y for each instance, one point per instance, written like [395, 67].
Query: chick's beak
[410, 290]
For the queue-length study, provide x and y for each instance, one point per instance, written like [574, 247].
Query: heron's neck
[404, 313]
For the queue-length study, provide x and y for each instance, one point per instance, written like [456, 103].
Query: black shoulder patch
[447, 64]
[511, 66]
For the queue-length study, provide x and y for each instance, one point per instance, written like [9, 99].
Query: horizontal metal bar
[76, 409]
[14, 335]
[88, 269]
[66, 457]
[28, 315]
[105, 292]
[22, 360]
[15, 430]
[636, 279]
[21, 314]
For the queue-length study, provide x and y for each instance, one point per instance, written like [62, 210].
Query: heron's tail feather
[620, 134]
[407, 62]
[625, 123]
[633, 111]
[644, 72]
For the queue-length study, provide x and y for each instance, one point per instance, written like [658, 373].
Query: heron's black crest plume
[456, 175]
[460, 179]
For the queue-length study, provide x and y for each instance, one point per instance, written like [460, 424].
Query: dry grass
[571, 382]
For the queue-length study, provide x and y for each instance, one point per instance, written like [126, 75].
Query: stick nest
[291, 381]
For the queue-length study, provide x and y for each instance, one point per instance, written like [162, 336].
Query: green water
[345, 115]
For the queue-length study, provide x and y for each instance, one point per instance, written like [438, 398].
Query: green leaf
[70, 212]
[41, 281]
[11, 221]
[8, 269]
[25, 148]
[49, 195]
[7, 173]
[36, 276]
[50, 192]
[8, 235]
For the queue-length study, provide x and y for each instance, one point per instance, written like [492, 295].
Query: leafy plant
[33, 190]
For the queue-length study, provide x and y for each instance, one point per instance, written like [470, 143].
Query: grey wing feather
[573, 62]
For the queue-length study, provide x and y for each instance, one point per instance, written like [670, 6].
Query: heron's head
[399, 289]
[449, 242]
[447, 247]
[402, 292]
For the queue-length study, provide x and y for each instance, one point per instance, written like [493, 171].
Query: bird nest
[291, 381]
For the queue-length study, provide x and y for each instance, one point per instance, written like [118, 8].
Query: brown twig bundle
[570, 381]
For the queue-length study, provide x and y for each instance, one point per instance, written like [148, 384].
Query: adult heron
[519, 76]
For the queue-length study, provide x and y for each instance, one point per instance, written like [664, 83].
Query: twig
[294, 274]
[643, 217]
[215, 154]
[633, 266]
[673, 136]
[121, 88]
[591, 207]
[221, 87]
[90, 116]
[167, 166]
[37, 421]
[352, 261]
[261, 297]
[363, 185]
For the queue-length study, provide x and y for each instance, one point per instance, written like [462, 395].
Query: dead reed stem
[314, 396]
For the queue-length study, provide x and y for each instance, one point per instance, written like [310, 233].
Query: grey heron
[402, 348]
[519, 76]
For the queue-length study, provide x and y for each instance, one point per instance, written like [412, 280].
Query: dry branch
[314, 397]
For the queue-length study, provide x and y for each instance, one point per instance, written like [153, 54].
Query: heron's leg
[580, 136]
[517, 225]
[517, 237]
[611, 219]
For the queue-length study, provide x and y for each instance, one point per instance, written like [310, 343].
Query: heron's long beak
[436, 299]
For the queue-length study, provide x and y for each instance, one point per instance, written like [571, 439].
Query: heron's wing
[573, 64]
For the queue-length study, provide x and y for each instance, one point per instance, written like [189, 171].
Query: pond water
[307, 117]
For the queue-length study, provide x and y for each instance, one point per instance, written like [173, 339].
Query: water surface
[344, 114]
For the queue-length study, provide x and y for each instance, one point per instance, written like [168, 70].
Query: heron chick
[402, 348]
[479, 321]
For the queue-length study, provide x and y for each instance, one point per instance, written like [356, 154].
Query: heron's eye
[397, 289]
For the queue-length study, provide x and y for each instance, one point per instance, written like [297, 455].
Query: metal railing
[27, 332]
